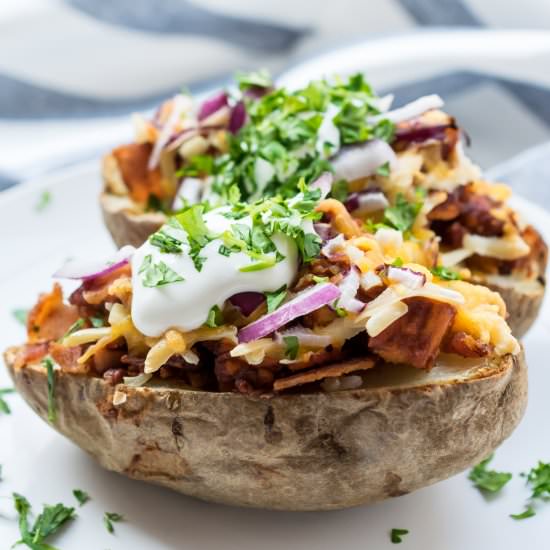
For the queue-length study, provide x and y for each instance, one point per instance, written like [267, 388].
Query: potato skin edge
[305, 452]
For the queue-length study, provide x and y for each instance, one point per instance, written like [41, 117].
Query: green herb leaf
[398, 262]
[275, 299]
[258, 79]
[158, 274]
[318, 280]
[52, 413]
[488, 480]
[292, 345]
[21, 315]
[166, 243]
[43, 201]
[340, 190]
[4, 408]
[215, 317]
[396, 535]
[402, 215]
[109, 518]
[384, 169]
[529, 512]
[445, 273]
[77, 325]
[538, 479]
[81, 496]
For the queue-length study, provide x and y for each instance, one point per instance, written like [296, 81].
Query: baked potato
[307, 451]
[237, 357]
[258, 141]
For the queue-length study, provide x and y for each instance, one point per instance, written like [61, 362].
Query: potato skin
[125, 226]
[314, 451]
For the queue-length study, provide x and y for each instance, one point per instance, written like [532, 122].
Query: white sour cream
[185, 305]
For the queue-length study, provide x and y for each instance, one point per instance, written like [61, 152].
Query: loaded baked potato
[275, 354]
[264, 139]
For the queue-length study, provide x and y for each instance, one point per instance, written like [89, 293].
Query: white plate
[42, 465]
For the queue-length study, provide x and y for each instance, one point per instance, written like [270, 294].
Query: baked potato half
[403, 430]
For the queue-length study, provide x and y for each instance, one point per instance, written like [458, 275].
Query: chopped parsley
[488, 480]
[396, 535]
[52, 413]
[4, 407]
[384, 169]
[109, 518]
[529, 512]
[50, 520]
[166, 243]
[275, 299]
[157, 274]
[292, 345]
[445, 273]
[21, 315]
[43, 201]
[81, 496]
[215, 317]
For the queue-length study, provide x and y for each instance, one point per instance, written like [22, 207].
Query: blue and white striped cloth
[72, 70]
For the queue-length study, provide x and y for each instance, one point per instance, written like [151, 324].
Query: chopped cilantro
[158, 274]
[77, 325]
[529, 512]
[197, 166]
[445, 273]
[109, 518]
[166, 243]
[4, 407]
[52, 413]
[403, 214]
[81, 496]
[46, 524]
[21, 315]
[340, 311]
[396, 535]
[317, 279]
[43, 201]
[275, 299]
[384, 169]
[398, 262]
[215, 317]
[292, 346]
[198, 235]
[340, 190]
[538, 478]
[154, 204]
[488, 480]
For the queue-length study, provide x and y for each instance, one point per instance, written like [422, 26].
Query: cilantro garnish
[21, 315]
[318, 279]
[529, 512]
[81, 496]
[52, 413]
[275, 299]
[488, 480]
[402, 215]
[77, 325]
[166, 243]
[398, 262]
[538, 480]
[198, 235]
[396, 535]
[43, 201]
[4, 407]
[384, 169]
[445, 273]
[215, 317]
[292, 344]
[109, 518]
[340, 190]
[157, 274]
[46, 524]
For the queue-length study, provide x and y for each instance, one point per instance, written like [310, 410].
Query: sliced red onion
[324, 183]
[366, 202]
[238, 117]
[418, 133]
[407, 277]
[306, 337]
[86, 270]
[179, 104]
[324, 230]
[370, 280]
[210, 106]
[360, 161]
[303, 303]
[410, 110]
[189, 192]
[348, 288]
[247, 302]
[333, 246]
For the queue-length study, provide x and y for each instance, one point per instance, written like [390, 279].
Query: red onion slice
[360, 161]
[366, 202]
[303, 303]
[407, 277]
[247, 302]
[210, 106]
[323, 183]
[238, 117]
[410, 110]
[86, 270]
[306, 337]
[418, 133]
[348, 288]
[179, 103]
[324, 230]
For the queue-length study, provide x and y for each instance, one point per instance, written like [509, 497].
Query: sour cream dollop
[185, 304]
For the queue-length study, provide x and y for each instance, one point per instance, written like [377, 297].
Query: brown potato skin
[313, 451]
